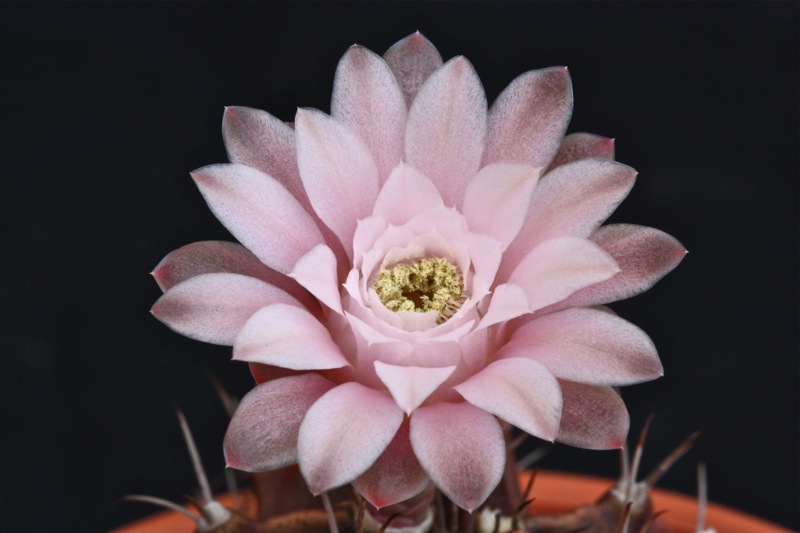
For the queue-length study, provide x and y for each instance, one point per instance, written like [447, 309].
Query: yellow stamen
[428, 284]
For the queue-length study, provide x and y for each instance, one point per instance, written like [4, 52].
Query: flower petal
[523, 394]
[344, 433]
[486, 254]
[367, 99]
[367, 232]
[338, 172]
[396, 475]
[497, 199]
[447, 128]
[508, 301]
[255, 442]
[405, 194]
[411, 385]
[644, 255]
[592, 417]
[571, 201]
[412, 61]
[214, 307]
[259, 212]
[558, 267]
[263, 373]
[209, 257]
[316, 271]
[461, 448]
[257, 139]
[588, 346]
[582, 146]
[289, 337]
[529, 118]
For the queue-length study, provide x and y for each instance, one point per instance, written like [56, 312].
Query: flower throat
[428, 284]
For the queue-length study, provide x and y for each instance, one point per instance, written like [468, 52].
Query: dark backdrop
[106, 107]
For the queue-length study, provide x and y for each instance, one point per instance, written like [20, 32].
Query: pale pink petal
[592, 417]
[486, 253]
[255, 442]
[257, 139]
[263, 373]
[208, 257]
[529, 118]
[461, 448]
[396, 475]
[571, 201]
[344, 433]
[366, 331]
[497, 199]
[411, 385]
[508, 301]
[287, 336]
[338, 172]
[367, 231]
[367, 99]
[558, 267]
[474, 347]
[644, 256]
[447, 129]
[260, 213]
[412, 61]
[405, 194]
[520, 391]
[316, 271]
[214, 307]
[581, 146]
[588, 346]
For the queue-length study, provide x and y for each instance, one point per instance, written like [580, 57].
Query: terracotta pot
[556, 492]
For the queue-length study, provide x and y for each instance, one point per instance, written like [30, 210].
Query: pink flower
[416, 269]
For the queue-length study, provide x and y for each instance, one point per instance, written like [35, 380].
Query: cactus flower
[416, 269]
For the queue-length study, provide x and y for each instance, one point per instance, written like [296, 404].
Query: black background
[106, 107]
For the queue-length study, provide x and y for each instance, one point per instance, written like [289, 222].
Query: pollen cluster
[428, 284]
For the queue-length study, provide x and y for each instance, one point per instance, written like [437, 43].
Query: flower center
[428, 284]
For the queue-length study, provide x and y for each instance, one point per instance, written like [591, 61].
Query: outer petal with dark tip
[412, 61]
[461, 448]
[211, 257]
[447, 129]
[582, 146]
[257, 139]
[529, 118]
[255, 442]
[592, 417]
[214, 307]
[588, 346]
[520, 391]
[396, 475]
[344, 433]
[368, 100]
[338, 172]
[644, 255]
[260, 213]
